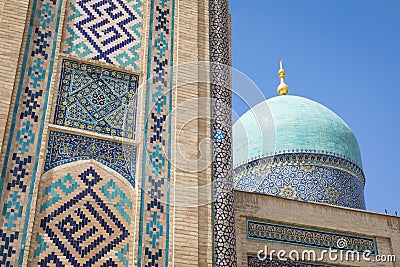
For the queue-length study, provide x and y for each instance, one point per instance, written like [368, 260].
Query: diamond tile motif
[84, 221]
[96, 99]
[105, 31]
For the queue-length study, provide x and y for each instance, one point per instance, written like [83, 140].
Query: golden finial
[283, 88]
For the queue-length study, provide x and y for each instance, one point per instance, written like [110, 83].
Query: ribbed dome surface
[286, 123]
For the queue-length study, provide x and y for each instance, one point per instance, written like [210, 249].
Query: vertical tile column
[224, 221]
[154, 229]
[21, 160]
[12, 25]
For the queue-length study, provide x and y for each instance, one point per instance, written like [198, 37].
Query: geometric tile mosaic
[299, 236]
[64, 148]
[305, 180]
[253, 261]
[224, 238]
[83, 220]
[105, 31]
[19, 169]
[154, 228]
[97, 99]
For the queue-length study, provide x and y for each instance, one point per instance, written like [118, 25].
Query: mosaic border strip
[300, 158]
[224, 240]
[154, 225]
[253, 261]
[281, 233]
[21, 160]
[65, 148]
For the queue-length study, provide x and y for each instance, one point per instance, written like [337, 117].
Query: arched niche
[84, 217]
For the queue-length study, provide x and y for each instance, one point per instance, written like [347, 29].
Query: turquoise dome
[287, 123]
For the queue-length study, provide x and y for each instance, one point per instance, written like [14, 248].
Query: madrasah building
[118, 149]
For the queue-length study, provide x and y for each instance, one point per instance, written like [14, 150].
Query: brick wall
[384, 228]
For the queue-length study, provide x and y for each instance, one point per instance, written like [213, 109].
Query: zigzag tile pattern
[105, 31]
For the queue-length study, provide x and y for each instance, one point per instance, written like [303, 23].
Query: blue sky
[344, 54]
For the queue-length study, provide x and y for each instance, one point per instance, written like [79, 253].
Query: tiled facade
[86, 123]
[221, 95]
[89, 173]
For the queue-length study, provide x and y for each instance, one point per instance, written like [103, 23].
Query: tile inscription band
[253, 261]
[279, 233]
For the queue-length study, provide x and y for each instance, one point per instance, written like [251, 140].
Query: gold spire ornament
[283, 88]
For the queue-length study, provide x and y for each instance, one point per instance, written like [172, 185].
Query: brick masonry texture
[381, 229]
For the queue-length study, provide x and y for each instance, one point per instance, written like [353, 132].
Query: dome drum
[304, 176]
